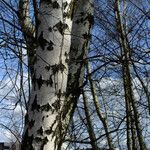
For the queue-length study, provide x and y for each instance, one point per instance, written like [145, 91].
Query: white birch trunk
[45, 124]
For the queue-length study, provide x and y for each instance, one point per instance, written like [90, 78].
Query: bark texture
[59, 41]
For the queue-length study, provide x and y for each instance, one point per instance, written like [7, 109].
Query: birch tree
[57, 44]
[113, 109]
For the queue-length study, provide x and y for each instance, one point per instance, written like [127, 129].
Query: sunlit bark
[60, 43]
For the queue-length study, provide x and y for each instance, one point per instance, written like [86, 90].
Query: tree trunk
[61, 37]
[89, 125]
[131, 108]
[102, 117]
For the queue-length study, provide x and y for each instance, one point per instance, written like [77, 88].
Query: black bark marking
[61, 27]
[54, 69]
[65, 14]
[58, 67]
[50, 46]
[56, 105]
[42, 41]
[82, 13]
[39, 82]
[31, 123]
[67, 60]
[43, 118]
[59, 94]
[41, 141]
[50, 29]
[55, 4]
[44, 142]
[46, 107]
[73, 49]
[67, 57]
[38, 139]
[34, 105]
[26, 119]
[47, 67]
[87, 36]
[38, 22]
[40, 131]
[34, 81]
[48, 131]
[49, 82]
[90, 18]
[79, 21]
[27, 142]
[65, 4]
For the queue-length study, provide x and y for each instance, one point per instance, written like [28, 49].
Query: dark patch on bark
[56, 105]
[38, 22]
[26, 119]
[58, 67]
[44, 142]
[34, 105]
[42, 41]
[34, 81]
[40, 131]
[34, 60]
[39, 82]
[67, 60]
[90, 18]
[78, 21]
[50, 29]
[65, 14]
[41, 141]
[55, 5]
[82, 13]
[59, 94]
[61, 27]
[46, 107]
[87, 36]
[65, 4]
[67, 57]
[38, 139]
[49, 82]
[50, 46]
[47, 67]
[31, 123]
[48, 131]
[73, 49]
[43, 118]
[27, 142]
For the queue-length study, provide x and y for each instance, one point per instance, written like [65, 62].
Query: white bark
[45, 125]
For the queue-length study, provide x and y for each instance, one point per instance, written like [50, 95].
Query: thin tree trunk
[89, 123]
[129, 95]
[98, 109]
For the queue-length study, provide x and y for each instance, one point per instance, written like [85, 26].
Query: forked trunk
[63, 33]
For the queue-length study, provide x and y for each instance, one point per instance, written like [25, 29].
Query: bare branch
[24, 18]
